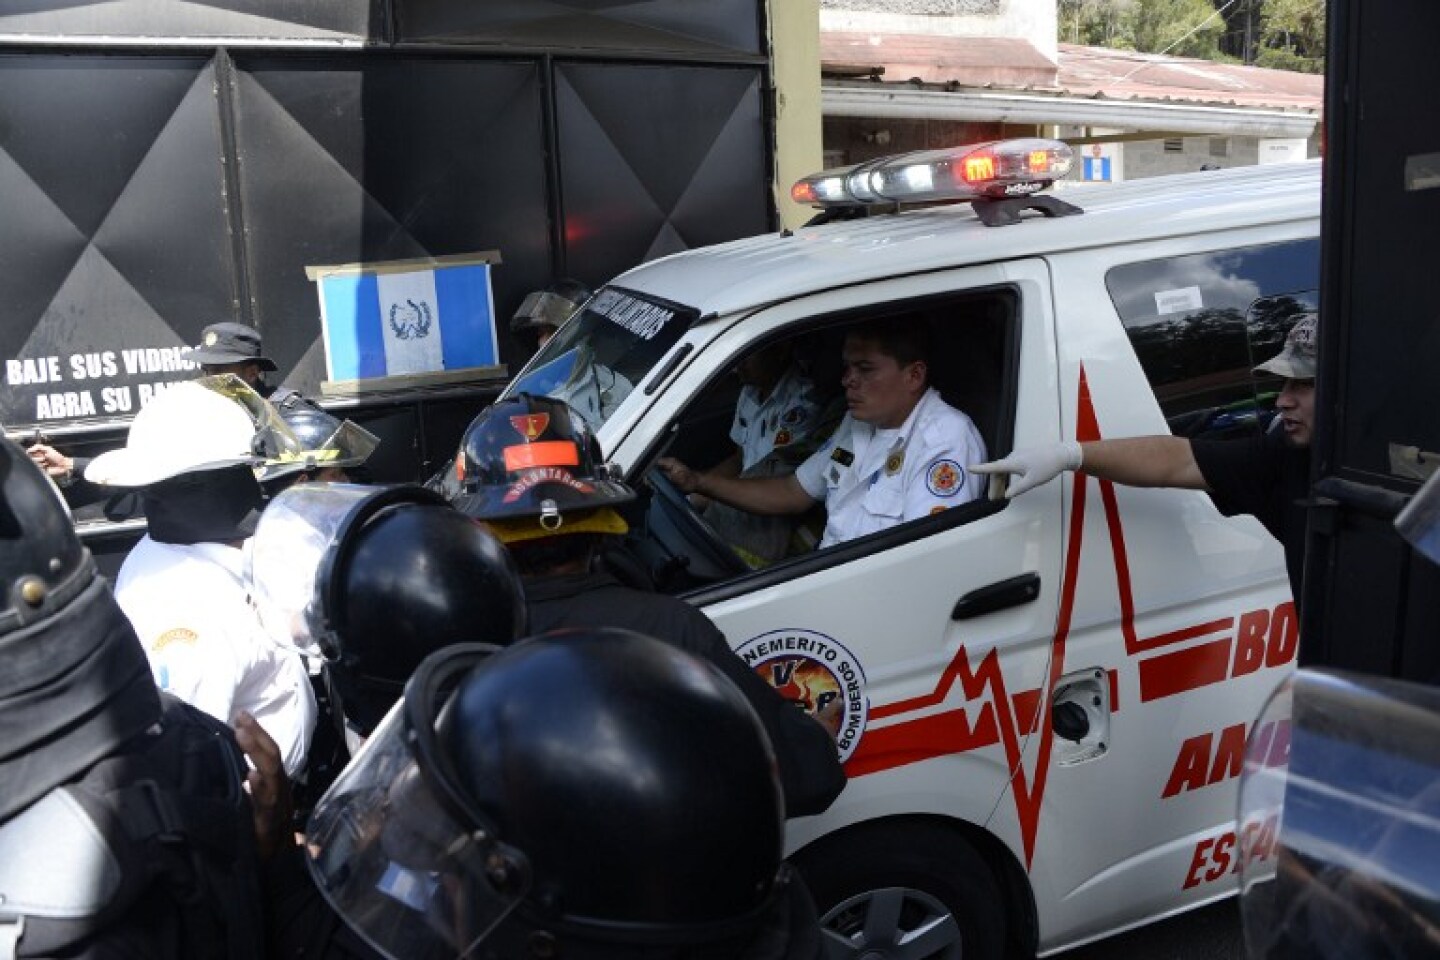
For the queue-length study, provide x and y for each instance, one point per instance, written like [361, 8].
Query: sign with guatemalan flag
[404, 322]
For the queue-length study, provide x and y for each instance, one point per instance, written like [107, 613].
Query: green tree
[1098, 23]
[1281, 34]
[1292, 35]
[1187, 28]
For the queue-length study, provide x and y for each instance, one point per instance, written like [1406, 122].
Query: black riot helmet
[591, 792]
[373, 580]
[318, 443]
[531, 458]
[74, 681]
[550, 307]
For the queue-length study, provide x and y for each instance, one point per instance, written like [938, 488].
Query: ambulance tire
[875, 883]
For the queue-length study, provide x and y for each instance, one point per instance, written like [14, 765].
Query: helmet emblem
[211, 338]
[530, 425]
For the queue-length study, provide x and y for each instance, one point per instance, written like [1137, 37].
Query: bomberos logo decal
[818, 673]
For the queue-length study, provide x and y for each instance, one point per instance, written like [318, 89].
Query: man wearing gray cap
[1266, 476]
[234, 348]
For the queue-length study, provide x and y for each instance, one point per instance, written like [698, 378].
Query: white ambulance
[1043, 702]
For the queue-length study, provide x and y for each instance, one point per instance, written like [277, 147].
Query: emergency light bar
[995, 170]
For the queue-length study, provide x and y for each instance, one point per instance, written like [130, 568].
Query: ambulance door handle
[997, 596]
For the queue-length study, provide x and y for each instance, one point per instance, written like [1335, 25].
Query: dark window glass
[1200, 323]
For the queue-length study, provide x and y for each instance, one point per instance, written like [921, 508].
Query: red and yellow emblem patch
[530, 425]
[944, 478]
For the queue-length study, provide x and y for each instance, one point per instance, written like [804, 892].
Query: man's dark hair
[906, 338]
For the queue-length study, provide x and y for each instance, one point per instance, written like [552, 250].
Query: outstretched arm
[765, 495]
[1144, 462]
[1157, 461]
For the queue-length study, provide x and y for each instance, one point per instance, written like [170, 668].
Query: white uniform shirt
[192, 612]
[595, 394]
[874, 479]
[784, 419]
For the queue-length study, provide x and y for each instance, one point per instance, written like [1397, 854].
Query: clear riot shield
[1340, 840]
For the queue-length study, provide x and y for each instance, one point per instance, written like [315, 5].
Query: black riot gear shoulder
[591, 792]
[124, 826]
[74, 681]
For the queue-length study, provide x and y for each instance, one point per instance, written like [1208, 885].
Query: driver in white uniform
[899, 454]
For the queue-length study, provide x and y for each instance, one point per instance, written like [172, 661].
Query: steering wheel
[710, 556]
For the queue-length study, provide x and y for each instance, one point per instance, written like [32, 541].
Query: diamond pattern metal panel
[114, 235]
[697, 27]
[198, 19]
[369, 160]
[657, 160]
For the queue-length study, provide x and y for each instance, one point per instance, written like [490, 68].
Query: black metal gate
[166, 165]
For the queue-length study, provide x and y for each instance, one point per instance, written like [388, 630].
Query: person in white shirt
[780, 418]
[182, 586]
[898, 455]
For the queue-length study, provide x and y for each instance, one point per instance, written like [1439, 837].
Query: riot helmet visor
[1419, 521]
[396, 848]
[347, 445]
[291, 540]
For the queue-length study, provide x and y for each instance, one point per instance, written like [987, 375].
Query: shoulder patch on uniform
[944, 478]
[175, 635]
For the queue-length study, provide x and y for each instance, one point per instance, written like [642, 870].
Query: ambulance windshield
[604, 351]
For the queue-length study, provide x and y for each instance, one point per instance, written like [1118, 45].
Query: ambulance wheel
[901, 889]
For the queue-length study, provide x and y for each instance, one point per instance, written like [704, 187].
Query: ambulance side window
[1199, 324]
[973, 344]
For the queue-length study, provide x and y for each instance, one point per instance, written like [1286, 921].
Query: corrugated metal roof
[1126, 75]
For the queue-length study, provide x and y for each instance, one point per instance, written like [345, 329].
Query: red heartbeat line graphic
[1006, 718]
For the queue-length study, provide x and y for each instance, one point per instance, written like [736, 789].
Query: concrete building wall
[857, 139]
[1032, 20]
[1153, 158]
[795, 62]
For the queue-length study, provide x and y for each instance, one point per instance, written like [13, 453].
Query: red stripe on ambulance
[1263, 638]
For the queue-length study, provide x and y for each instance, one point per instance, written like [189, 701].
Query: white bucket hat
[187, 428]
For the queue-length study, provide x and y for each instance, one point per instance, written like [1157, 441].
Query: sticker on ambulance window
[1179, 300]
[817, 673]
[640, 317]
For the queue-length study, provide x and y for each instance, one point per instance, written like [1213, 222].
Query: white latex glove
[1034, 466]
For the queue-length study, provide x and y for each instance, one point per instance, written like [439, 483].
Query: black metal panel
[198, 19]
[1371, 603]
[657, 159]
[685, 27]
[150, 192]
[115, 226]
[1382, 304]
[349, 160]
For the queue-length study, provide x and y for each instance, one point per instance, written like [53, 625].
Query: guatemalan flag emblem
[407, 317]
